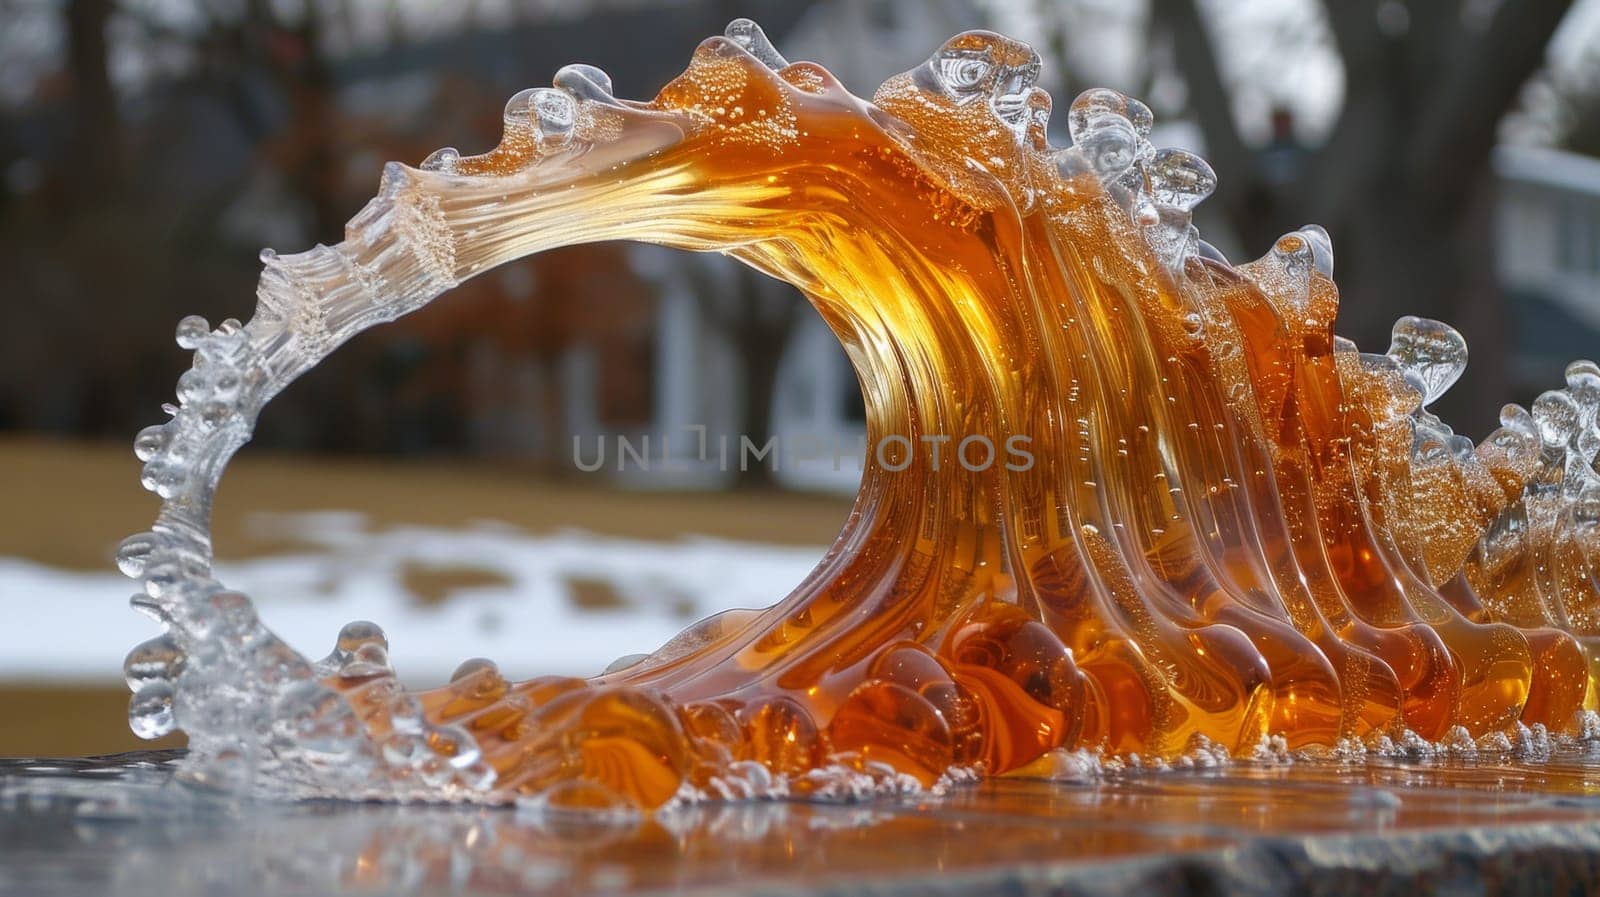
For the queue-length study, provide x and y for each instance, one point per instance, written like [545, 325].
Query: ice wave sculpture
[1238, 526]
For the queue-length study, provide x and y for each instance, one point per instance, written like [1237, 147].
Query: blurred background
[424, 475]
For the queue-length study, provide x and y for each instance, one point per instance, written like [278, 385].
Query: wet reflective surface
[122, 825]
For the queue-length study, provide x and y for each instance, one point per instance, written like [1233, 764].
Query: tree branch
[1196, 57]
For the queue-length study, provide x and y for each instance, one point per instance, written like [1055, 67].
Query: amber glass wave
[1228, 523]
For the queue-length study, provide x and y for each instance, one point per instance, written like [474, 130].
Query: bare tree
[1401, 178]
[755, 315]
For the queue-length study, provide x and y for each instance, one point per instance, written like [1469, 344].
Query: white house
[1548, 254]
[816, 404]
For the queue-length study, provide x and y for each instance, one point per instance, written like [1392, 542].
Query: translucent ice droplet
[192, 331]
[586, 83]
[150, 711]
[550, 114]
[193, 385]
[444, 161]
[1293, 254]
[1431, 440]
[454, 744]
[405, 713]
[624, 662]
[361, 632]
[1519, 420]
[151, 442]
[473, 667]
[963, 74]
[134, 554]
[1140, 116]
[1516, 440]
[362, 650]
[1094, 103]
[157, 660]
[1038, 125]
[1285, 271]
[1180, 178]
[1012, 91]
[979, 66]
[749, 35]
[1110, 148]
[1557, 417]
[1583, 384]
[553, 113]
[1321, 248]
[162, 478]
[1585, 506]
[1431, 351]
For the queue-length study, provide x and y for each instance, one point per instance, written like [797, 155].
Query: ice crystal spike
[1230, 527]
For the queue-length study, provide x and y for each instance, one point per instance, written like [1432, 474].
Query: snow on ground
[76, 627]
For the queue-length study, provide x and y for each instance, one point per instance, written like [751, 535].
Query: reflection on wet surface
[122, 825]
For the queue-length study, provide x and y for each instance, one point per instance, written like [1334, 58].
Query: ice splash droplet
[150, 712]
[444, 161]
[361, 651]
[1431, 351]
[1557, 418]
[749, 35]
[157, 660]
[584, 83]
[1180, 179]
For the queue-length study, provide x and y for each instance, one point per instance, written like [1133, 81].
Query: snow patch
[67, 626]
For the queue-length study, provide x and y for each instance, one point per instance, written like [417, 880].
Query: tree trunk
[764, 321]
[92, 158]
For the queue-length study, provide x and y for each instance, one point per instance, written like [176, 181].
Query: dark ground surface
[120, 825]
